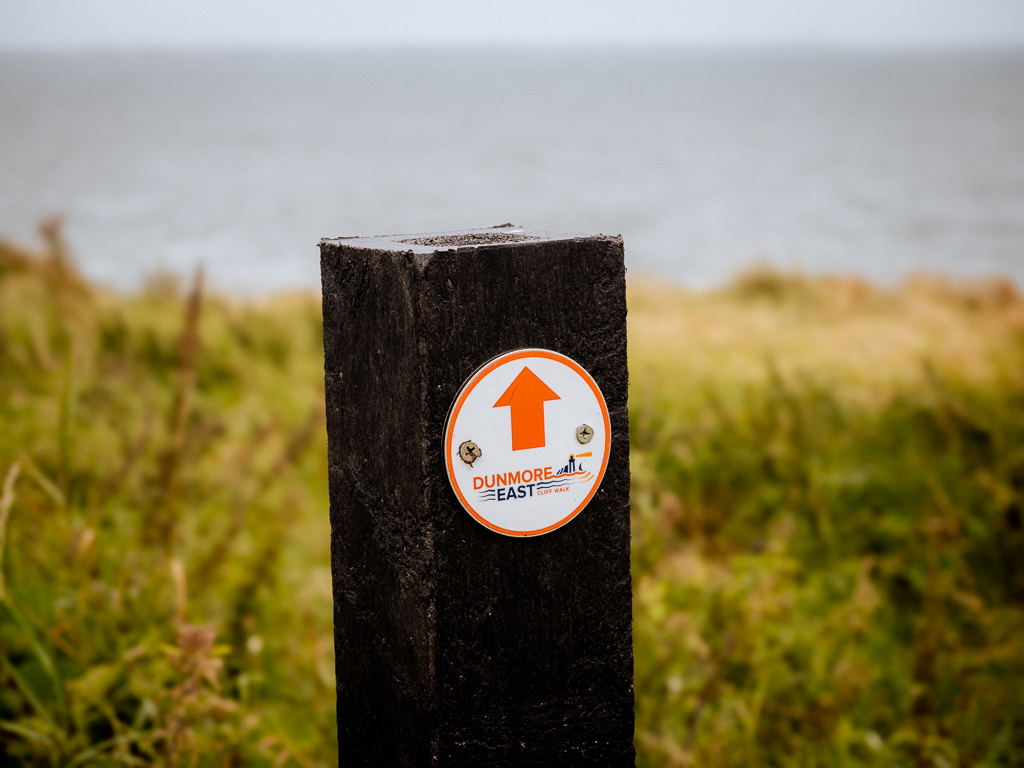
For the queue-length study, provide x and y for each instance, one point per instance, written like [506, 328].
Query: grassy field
[828, 544]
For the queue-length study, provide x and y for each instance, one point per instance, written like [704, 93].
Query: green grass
[828, 556]
[167, 567]
[828, 545]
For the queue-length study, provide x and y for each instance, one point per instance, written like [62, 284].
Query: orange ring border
[460, 399]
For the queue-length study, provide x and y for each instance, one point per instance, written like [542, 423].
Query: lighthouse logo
[527, 442]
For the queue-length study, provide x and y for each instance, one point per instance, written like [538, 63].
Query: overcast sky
[37, 24]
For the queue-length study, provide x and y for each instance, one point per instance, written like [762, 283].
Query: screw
[470, 452]
[584, 433]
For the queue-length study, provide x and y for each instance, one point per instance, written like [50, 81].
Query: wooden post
[456, 645]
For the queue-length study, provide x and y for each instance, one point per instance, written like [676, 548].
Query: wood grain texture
[457, 646]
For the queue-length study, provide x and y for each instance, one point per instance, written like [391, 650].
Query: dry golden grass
[844, 329]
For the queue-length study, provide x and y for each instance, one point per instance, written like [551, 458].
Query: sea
[707, 162]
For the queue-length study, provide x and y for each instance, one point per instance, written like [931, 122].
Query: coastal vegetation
[828, 523]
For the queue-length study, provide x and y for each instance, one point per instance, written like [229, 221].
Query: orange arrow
[525, 396]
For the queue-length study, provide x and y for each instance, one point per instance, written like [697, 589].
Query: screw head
[584, 433]
[470, 452]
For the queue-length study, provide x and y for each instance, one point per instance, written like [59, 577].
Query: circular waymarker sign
[526, 443]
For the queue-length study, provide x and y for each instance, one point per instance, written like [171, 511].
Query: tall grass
[167, 597]
[828, 545]
[827, 539]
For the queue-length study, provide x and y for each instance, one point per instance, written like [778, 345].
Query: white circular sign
[526, 442]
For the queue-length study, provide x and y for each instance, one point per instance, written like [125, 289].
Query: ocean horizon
[875, 163]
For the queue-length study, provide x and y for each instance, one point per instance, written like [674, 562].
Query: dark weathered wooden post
[463, 637]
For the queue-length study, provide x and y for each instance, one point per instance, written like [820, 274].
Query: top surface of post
[426, 243]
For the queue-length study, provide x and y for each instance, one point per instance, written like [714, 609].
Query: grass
[828, 546]
[167, 569]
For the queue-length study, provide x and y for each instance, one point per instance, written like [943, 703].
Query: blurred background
[823, 212]
[876, 138]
